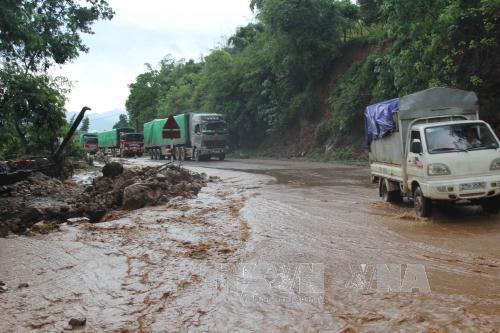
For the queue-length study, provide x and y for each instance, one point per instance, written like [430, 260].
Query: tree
[85, 125]
[369, 10]
[32, 107]
[33, 36]
[122, 122]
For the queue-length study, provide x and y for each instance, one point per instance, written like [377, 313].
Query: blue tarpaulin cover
[379, 121]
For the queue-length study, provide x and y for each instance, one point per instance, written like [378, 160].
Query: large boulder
[134, 196]
[112, 170]
[140, 195]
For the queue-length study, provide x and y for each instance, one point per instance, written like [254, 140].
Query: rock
[3, 288]
[134, 197]
[23, 285]
[112, 170]
[43, 227]
[76, 220]
[95, 212]
[77, 322]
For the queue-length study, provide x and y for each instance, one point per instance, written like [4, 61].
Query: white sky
[144, 31]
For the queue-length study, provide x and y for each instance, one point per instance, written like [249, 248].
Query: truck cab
[454, 160]
[209, 136]
[89, 142]
[131, 144]
[432, 146]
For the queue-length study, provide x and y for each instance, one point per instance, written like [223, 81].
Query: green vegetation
[84, 127]
[122, 122]
[271, 76]
[34, 35]
[301, 64]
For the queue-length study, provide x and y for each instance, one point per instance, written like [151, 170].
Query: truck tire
[196, 155]
[423, 205]
[388, 196]
[491, 206]
[150, 152]
[222, 157]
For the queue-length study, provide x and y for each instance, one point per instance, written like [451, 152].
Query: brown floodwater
[277, 246]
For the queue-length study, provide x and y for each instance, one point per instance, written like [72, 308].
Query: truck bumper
[212, 152]
[462, 189]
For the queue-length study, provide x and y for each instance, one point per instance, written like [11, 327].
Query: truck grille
[215, 144]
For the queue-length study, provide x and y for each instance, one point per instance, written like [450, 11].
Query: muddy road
[275, 246]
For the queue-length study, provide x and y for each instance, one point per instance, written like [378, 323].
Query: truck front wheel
[491, 206]
[222, 157]
[423, 205]
[196, 155]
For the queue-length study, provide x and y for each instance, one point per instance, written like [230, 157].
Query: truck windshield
[91, 140]
[459, 137]
[133, 137]
[216, 127]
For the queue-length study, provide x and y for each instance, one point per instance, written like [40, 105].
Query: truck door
[415, 162]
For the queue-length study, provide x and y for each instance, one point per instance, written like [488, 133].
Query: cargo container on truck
[88, 141]
[122, 142]
[202, 136]
[431, 146]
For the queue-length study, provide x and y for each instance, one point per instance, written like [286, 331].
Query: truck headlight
[438, 169]
[495, 165]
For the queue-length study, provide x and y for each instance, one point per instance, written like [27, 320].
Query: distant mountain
[101, 121]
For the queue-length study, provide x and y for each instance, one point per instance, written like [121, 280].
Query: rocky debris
[23, 286]
[77, 322]
[40, 203]
[137, 188]
[3, 288]
[43, 227]
[112, 170]
[38, 197]
[77, 220]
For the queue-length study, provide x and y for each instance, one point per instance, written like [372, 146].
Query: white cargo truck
[431, 146]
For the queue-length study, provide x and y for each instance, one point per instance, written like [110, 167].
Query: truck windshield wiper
[437, 150]
[490, 146]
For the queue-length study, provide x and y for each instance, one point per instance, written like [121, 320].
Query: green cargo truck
[122, 142]
[202, 136]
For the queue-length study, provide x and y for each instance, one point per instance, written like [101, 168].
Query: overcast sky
[144, 32]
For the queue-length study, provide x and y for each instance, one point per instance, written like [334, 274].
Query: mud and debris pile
[135, 188]
[37, 198]
[41, 202]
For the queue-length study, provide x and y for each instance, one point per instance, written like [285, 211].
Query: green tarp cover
[153, 131]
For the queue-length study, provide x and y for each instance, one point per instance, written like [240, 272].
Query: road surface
[276, 246]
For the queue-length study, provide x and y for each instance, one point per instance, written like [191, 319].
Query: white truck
[431, 146]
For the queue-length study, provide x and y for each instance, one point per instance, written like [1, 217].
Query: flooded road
[276, 246]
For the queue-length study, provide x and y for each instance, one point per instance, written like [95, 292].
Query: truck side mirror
[416, 147]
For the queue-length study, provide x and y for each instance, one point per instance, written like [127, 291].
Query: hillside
[296, 81]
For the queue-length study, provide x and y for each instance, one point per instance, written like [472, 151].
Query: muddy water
[290, 260]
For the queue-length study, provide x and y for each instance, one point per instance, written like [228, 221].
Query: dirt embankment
[300, 140]
[41, 203]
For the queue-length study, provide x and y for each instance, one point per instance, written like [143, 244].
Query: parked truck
[123, 142]
[431, 146]
[202, 136]
[88, 141]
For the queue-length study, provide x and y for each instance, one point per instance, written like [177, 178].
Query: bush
[323, 132]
